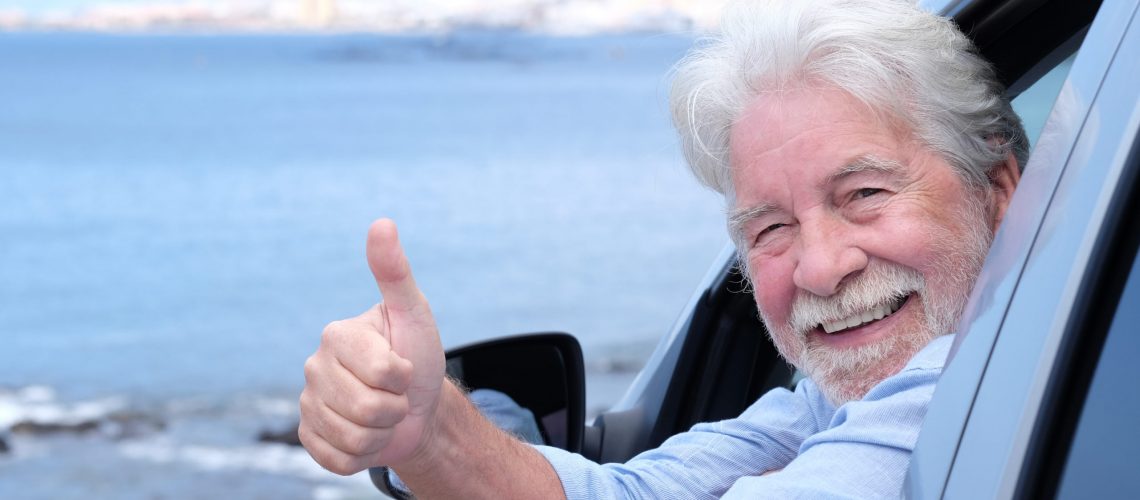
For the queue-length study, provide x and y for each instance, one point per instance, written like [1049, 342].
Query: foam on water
[38, 404]
[270, 457]
[276, 406]
[194, 439]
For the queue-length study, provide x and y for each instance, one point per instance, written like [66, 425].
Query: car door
[715, 361]
[1005, 412]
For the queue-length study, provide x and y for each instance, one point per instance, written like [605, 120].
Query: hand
[373, 386]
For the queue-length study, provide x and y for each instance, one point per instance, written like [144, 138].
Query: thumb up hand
[373, 386]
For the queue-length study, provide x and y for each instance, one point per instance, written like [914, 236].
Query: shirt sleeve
[866, 450]
[701, 463]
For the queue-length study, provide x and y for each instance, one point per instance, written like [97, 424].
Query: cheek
[909, 240]
[931, 249]
[772, 287]
[774, 293]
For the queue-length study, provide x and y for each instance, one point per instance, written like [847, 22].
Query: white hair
[906, 64]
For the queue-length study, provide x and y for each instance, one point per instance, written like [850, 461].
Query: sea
[181, 214]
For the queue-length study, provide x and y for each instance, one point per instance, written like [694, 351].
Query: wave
[216, 439]
[38, 405]
[269, 457]
[34, 415]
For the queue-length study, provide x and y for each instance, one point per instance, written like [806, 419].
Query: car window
[1033, 105]
[1102, 456]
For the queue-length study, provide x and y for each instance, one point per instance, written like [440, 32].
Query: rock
[285, 436]
[130, 424]
[118, 425]
[43, 429]
[4, 448]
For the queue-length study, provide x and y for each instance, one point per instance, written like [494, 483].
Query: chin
[848, 374]
[846, 364]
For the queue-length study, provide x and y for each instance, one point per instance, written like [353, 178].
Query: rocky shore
[115, 425]
[283, 436]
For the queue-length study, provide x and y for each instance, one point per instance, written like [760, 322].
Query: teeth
[862, 318]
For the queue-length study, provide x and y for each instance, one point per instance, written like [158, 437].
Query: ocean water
[181, 215]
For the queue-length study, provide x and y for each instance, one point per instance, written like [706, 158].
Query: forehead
[798, 138]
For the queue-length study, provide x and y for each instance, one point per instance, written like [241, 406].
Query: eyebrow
[866, 163]
[740, 217]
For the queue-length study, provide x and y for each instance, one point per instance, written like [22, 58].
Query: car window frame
[1080, 358]
[980, 423]
[1111, 267]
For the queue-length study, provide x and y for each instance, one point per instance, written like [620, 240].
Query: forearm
[466, 456]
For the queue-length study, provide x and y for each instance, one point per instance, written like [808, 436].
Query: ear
[1003, 181]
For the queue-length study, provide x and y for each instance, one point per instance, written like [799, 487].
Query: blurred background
[185, 188]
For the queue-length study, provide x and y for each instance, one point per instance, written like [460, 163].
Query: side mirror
[542, 372]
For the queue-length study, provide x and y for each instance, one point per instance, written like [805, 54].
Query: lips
[871, 315]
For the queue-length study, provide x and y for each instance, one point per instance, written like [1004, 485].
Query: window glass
[1102, 460]
[1033, 105]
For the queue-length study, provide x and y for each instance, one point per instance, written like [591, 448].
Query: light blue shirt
[859, 450]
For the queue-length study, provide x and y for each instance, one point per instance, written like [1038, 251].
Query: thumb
[390, 267]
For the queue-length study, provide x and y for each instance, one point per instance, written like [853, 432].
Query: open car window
[1033, 105]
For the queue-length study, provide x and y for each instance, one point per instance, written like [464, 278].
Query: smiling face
[862, 245]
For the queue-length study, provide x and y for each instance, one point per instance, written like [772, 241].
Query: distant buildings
[318, 13]
[389, 16]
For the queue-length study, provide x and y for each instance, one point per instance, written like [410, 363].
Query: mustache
[880, 283]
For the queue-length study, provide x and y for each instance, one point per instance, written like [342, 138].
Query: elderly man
[866, 155]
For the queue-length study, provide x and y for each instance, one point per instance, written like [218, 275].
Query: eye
[866, 193]
[773, 227]
[768, 230]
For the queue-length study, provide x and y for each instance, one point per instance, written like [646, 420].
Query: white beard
[847, 374]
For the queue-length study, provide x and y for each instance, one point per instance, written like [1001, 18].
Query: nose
[826, 257]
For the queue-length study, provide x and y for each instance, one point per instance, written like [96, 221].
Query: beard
[847, 374]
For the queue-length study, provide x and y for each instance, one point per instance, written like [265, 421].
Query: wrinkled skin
[820, 219]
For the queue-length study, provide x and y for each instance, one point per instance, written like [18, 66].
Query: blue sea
[180, 215]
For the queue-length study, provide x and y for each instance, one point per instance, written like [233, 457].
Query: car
[1037, 399]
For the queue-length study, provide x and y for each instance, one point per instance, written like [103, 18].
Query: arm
[786, 445]
[866, 449]
[702, 462]
[375, 395]
[467, 456]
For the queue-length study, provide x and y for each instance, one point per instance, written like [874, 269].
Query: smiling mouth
[869, 316]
